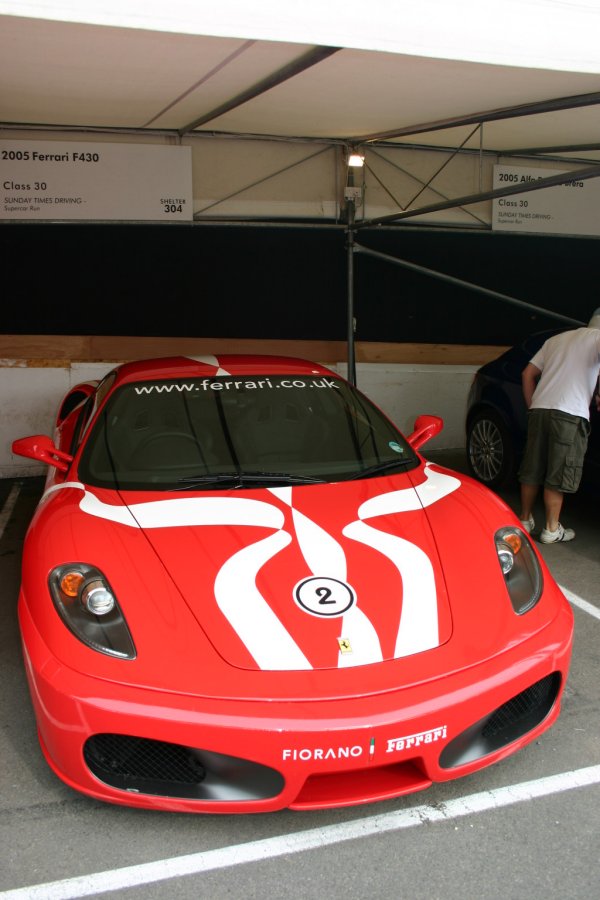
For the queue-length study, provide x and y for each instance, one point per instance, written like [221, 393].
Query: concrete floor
[526, 827]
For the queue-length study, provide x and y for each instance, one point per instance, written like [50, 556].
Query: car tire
[490, 451]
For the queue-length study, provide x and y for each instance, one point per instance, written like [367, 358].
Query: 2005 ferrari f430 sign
[244, 589]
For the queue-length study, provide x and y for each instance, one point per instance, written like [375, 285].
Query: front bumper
[160, 750]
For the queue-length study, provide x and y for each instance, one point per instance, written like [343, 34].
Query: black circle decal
[324, 596]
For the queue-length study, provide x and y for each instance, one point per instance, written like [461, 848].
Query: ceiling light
[355, 159]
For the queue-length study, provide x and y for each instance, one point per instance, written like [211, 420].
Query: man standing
[558, 386]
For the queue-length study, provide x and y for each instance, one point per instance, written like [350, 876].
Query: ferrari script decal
[410, 741]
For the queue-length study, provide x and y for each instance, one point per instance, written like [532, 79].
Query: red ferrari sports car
[244, 590]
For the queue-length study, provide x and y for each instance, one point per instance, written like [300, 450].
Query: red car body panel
[339, 634]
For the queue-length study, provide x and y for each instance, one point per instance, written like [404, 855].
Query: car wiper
[242, 479]
[380, 467]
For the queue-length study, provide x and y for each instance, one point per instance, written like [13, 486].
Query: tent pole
[350, 286]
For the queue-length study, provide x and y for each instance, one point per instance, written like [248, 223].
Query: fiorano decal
[307, 754]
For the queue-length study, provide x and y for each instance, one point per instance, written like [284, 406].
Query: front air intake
[509, 722]
[147, 766]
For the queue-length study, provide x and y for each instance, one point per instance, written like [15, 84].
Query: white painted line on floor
[6, 511]
[581, 603]
[313, 839]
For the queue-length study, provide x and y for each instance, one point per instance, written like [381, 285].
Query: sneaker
[561, 534]
[528, 524]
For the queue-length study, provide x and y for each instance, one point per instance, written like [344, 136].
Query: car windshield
[225, 432]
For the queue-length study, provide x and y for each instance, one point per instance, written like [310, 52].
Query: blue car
[496, 421]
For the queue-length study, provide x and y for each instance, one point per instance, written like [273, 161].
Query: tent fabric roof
[386, 70]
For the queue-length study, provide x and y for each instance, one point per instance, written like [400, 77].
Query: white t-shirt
[569, 363]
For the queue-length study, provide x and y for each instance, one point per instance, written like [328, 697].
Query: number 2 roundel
[324, 596]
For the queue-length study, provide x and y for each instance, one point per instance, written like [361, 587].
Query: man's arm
[529, 380]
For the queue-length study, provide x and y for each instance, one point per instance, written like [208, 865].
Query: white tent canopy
[242, 68]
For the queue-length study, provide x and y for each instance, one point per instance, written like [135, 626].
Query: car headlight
[87, 605]
[520, 567]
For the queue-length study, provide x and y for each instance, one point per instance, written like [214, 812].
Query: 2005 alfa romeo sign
[569, 208]
[100, 181]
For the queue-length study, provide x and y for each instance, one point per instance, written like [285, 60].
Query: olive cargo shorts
[555, 449]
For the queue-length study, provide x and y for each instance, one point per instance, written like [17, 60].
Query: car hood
[300, 578]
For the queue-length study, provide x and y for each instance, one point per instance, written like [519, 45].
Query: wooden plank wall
[60, 350]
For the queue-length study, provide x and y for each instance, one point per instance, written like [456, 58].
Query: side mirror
[425, 428]
[40, 447]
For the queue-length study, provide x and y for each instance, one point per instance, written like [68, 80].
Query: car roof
[224, 364]
[519, 354]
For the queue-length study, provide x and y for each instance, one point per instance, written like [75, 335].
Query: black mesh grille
[509, 722]
[112, 756]
[519, 708]
[147, 766]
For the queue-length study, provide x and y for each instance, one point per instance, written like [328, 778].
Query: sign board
[95, 181]
[570, 208]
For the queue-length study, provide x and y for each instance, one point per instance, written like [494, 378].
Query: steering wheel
[167, 450]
